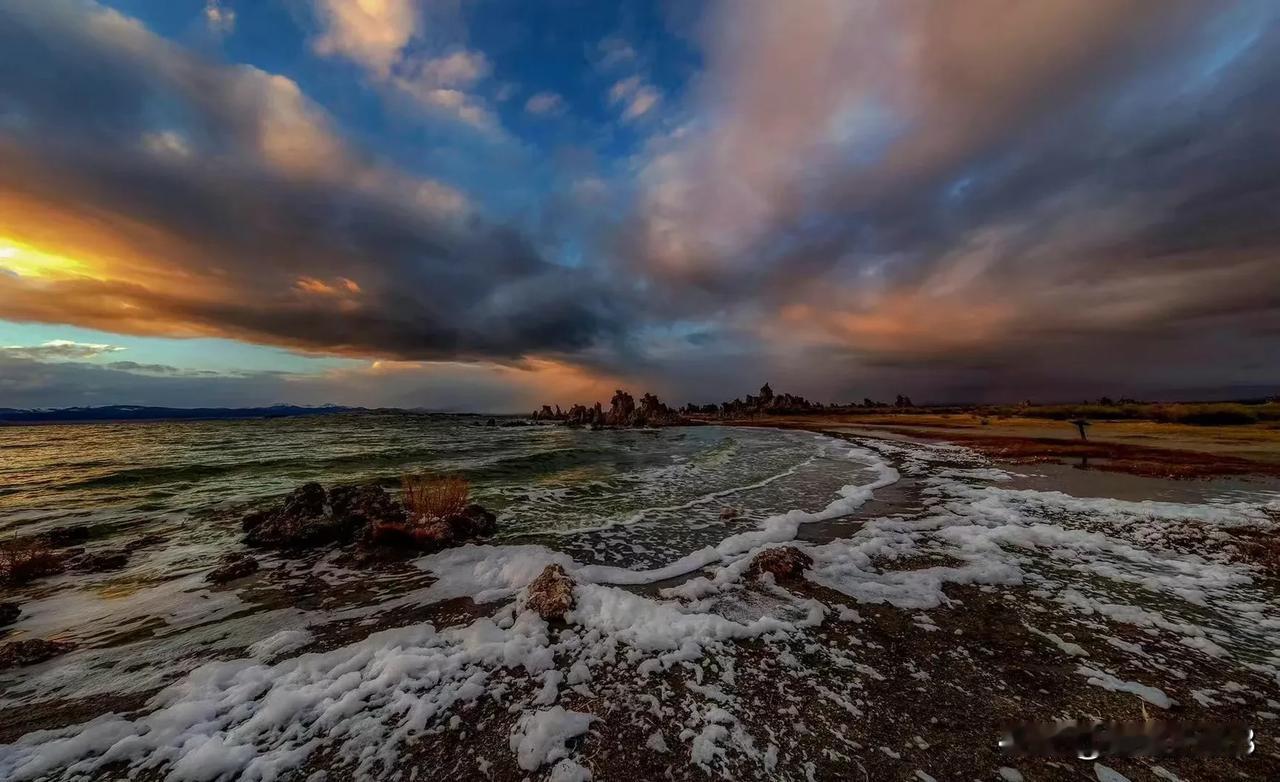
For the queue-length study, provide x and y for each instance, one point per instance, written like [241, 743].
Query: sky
[490, 204]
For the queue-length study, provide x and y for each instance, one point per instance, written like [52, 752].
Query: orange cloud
[898, 323]
[338, 287]
[524, 385]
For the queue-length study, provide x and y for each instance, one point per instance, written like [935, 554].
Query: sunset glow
[575, 390]
[28, 261]
[1060, 198]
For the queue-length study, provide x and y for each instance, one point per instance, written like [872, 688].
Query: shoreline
[956, 580]
[1143, 448]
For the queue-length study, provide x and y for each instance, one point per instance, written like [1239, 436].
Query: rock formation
[311, 516]
[786, 563]
[623, 412]
[31, 651]
[231, 567]
[434, 534]
[550, 594]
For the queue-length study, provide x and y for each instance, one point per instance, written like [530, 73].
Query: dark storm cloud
[211, 199]
[1047, 196]
[972, 200]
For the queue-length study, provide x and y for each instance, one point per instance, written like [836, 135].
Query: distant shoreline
[1145, 448]
[129, 413]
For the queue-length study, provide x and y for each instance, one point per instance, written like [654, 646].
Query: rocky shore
[625, 412]
[365, 518]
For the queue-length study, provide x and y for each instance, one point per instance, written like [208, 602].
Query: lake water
[633, 499]
[317, 654]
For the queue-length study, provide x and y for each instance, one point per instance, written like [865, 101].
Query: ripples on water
[631, 498]
[152, 477]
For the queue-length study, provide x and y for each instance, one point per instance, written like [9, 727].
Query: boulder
[435, 534]
[310, 516]
[99, 561]
[231, 567]
[9, 613]
[31, 651]
[550, 594]
[364, 505]
[786, 563]
[474, 521]
[254, 519]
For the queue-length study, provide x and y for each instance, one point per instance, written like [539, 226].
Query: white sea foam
[259, 719]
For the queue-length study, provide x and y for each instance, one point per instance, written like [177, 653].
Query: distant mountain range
[143, 413]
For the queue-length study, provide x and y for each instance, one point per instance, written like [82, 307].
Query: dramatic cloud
[954, 200]
[1005, 187]
[239, 211]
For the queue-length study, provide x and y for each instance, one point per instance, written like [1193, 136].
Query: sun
[27, 261]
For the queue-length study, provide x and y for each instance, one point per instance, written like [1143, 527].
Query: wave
[639, 516]
[479, 570]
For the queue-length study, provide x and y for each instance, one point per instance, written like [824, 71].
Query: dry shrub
[22, 561]
[435, 496]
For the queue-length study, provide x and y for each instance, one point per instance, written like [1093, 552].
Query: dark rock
[303, 520]
[435, 534]
[61, 537]
[786, 563]
[9, 613]
[474, 521]
[430, 535]
[310, 516]
[365, 505]
[550, 594]
[32, 651]
[99, 561]
[231, 567]
[253, 520]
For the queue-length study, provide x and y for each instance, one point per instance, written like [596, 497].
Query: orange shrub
[434, 496]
